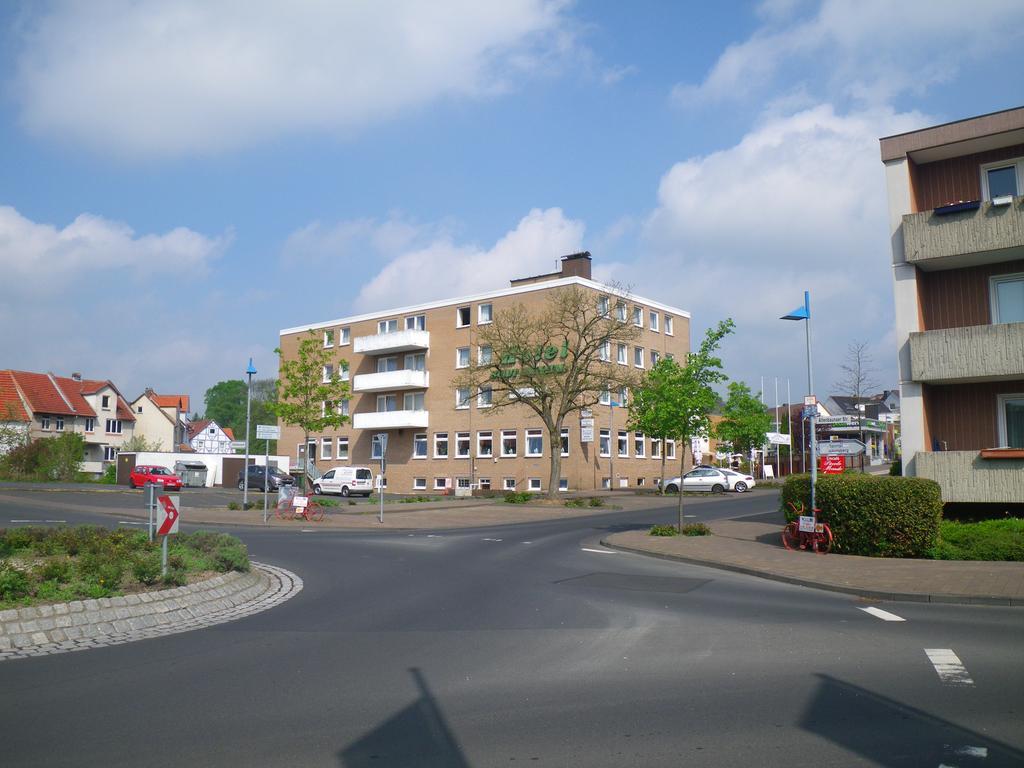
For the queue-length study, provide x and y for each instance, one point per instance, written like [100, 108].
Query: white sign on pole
[237, 445]
[777, 438]
[167, 519]
[300, 501]
[846, 447]
[810, 400]
[268, 432]
[806, 523]
[769, 472]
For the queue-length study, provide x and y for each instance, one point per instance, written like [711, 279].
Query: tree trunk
[555, 441]
[305, 461]
[663, 472]
[682, 471]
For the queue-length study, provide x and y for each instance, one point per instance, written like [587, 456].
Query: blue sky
[182, 180]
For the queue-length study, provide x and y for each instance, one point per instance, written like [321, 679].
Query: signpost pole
[163, 557]
[266, 477]
[611, 453]
[248, 414]
[151, 508]
[789, 424]
[382, 439]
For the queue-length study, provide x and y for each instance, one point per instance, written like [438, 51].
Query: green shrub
[696, 529]
[13, 583]
[871, 515]
[175, 577]
[146, 568]
[109, 476]
[596, 501]
[896, 468]
[984, 540]
[664, 530]
[576, 503]
[234, 505]
[57, 569]
[518, 497]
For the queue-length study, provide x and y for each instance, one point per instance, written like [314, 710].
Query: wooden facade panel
[965, 416]
[958, 178]
[957, 298]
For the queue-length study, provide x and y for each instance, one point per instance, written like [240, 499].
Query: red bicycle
[807, 532]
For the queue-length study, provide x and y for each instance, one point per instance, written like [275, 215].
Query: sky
[181, 180]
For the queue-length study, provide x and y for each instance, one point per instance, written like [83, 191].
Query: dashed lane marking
[490, 539]
[527, 542]
[24, 521]
[947, 664]
[878, 613]
[599, 551]
[131, 522]
[54, 521]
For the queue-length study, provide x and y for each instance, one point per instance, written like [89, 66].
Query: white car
[346, 481]
[712, 480]
[738, 481]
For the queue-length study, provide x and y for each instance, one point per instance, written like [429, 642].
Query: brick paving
[756, 548]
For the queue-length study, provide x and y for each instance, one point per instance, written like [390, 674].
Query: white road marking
[24, 521]
[878, 613]
[434, 536]
[527, 542]
[131, 522]
[599, 551]
[307, 530]
[490, 539]
[55, 521]
[948, 666]
[973, 751]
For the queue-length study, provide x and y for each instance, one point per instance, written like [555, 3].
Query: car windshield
[159, 471]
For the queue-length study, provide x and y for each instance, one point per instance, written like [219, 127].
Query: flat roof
[528, 288]
[959, 137]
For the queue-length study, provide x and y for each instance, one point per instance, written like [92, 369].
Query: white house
[207, 436]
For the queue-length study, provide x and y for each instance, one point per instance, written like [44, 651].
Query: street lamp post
[804, 313]
[860, 423]
[248, 415]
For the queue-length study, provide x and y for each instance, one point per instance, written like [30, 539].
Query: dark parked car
[258, 479]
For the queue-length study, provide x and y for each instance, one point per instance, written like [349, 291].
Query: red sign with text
[831, 465]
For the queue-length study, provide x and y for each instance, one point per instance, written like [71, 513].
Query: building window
[387, 326]
[638, 357]
[620, 355]
[419, 483]
[109, 453]
[604, 352]
[346, 336]
[329, 338]
[1007, 298]
[419, 445]
[655, 449]
[376, 448]
[1011, 421]
[602, 306]
[462, 482]
[605, 398]
[485, 354]
[563, 484]
[345, 374]
[44, 423]
[440, 483]
[534, 484]
[639, 445]
[113, 426]
[485, 314]
[654, 320]
[508, 483]
[655, 357]
[386, 403]
[90, 424]
[484, 444]
[668, 325]
[462, 317]
[413, 401]
[509, 443]
[462, 357]
[462, 445]
[564, 440]
[387, 364]
[328, 373]
[638, 317]
[485, 397]
[623, 443]
[605, 443]
[534, 442]
[343, 449]
[623, 397]
[416, 323]
[1001, 181]
[670, 449]
[621, 311]
[484, 483]
[416, 362]
[462, 397]
[326, 444]
[343, 407]
[105, 401]
[440, 445]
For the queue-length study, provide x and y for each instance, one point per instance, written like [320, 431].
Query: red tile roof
[73, 388]
[195, 427]
[228, 431]
[172, 401]
[11, 407]
[43, 395]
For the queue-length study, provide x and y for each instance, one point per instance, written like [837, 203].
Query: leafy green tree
[745, 420]
[138, 443]
[653, 410]
[51, 458]
[305, 399]
[225, 404]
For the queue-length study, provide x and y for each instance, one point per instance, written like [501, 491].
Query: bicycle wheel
[791, 537]
[822, 542]
[284, 511]
[313, 512]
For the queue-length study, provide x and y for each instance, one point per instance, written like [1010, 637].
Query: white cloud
[34, 254]
[870, 50]
[442, 268]
[155, 78]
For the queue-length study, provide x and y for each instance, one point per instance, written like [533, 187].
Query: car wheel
[241, 485]
[740, 487]
[717, 488]
[344, 490]
[671, 488]
[317, 490]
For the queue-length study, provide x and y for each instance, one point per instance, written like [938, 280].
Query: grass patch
[518, 497]
[664, 530]
[47, 565]
[690, 529]
[591, 501]
[984, 540]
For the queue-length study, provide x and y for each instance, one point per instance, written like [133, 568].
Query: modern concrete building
[403, 363]
[956, 219]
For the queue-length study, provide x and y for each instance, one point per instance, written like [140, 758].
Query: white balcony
[390, 381]
[398, 341]
[390, 420]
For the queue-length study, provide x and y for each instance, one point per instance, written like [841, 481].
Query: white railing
[396, 341]
[390, 381]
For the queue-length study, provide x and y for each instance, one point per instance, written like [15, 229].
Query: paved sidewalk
[755, 548]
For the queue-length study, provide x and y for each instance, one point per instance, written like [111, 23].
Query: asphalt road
[529, 644]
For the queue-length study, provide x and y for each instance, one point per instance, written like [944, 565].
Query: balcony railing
[390, 381]
[397, 341]
[975, 353]
[966, 477]
[391, 420]
[989, 233]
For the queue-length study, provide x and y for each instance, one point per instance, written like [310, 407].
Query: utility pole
[248, 416]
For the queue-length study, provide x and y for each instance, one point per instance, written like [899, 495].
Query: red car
[160, 476]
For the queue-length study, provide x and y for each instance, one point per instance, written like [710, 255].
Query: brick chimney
[76, 376]
[576, 265]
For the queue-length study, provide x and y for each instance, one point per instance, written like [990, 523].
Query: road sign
[586, 413]
[586, 430]
[168, 522]
[237, 445]
[832, 465]
[844, 447]
[777, 438]
[268, 432]
[382, 440]
[810, 400]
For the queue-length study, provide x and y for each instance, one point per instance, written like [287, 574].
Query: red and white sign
[832, 465]
[169, 522]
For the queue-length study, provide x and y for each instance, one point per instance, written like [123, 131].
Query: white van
[346, 481]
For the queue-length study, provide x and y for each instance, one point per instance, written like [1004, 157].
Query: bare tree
[857, 372]
[553, 361]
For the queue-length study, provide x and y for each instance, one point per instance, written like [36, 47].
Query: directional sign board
[167, 515]
[237, 445]
[586, 430]
[268, 432]
[845, 447]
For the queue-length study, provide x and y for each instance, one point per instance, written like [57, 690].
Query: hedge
[872, 515]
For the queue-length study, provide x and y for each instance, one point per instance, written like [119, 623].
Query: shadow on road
[417, 735]
[888, 733]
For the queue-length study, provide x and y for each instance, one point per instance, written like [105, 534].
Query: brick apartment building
[402, 365]
[956, 218]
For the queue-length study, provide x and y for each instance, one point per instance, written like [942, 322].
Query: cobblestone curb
[47, 629]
